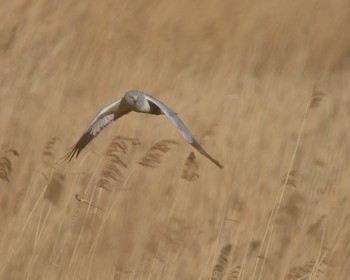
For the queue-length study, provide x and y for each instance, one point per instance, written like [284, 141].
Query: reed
[154, 155]
[190, 169]
[220, 267]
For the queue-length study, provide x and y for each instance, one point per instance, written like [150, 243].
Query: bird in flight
[136, 101]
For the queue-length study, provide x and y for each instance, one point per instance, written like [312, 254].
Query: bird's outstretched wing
[103, 118]
[186, 133]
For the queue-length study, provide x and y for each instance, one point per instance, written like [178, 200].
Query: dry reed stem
[18, 240]
[40, 226]
[189, 172]
[53, 193]
[54, 260]
[22, 231]
[38, 234]
[267, 247]
[178, 193]
[244, 261]
[36, 204]
[85, 217]
[314, 100]
[320, 259]
[153, 156]
[111, 173]
[105, 217]
[50, 190]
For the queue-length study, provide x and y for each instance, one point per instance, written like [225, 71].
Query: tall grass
[138, 202]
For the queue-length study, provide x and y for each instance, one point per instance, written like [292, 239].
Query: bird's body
[136, 101]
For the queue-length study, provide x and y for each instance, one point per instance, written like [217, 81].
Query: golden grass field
[263, 85]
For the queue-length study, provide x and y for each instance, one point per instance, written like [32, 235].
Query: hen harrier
[136, 101]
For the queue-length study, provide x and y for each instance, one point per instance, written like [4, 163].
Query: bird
[136, 101]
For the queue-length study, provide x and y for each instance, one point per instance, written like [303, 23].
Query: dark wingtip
[73, 151]
[78, 147]
[203, 152]
[217, 163]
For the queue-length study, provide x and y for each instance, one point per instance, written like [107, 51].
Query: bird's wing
[103, 118]
[186, 133]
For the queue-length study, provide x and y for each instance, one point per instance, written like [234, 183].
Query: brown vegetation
[263, 85]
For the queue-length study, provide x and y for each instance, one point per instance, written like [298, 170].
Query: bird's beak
[135, 98]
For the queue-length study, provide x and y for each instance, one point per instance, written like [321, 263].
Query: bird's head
[133, 97]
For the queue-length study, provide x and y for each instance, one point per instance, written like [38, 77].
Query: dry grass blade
[189, 172]
[277, 204]
[112, 170]
[239, 74]
[153, 156]
[219, 269]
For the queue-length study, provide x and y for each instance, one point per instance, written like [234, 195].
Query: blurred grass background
[239, 74]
